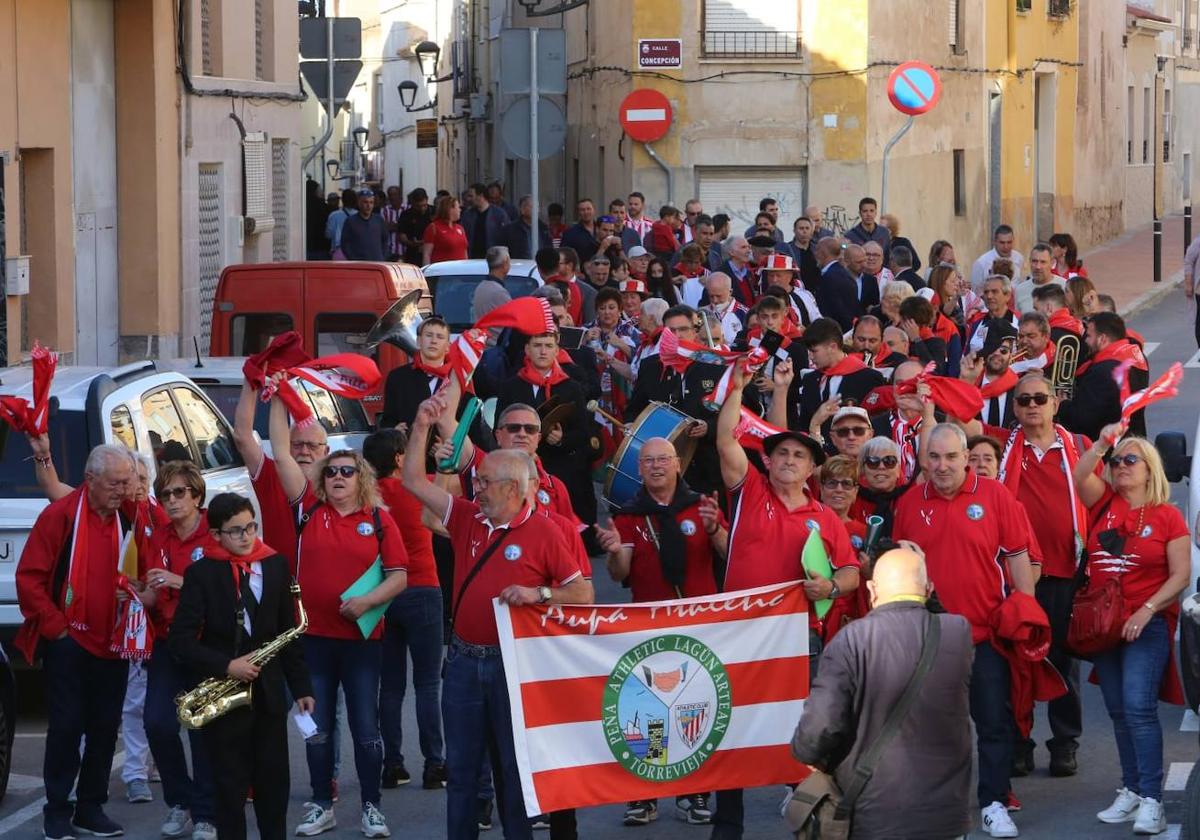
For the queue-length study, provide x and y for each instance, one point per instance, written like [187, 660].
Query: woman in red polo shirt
[413, 626]
[173, 546]
[1139, 539]
[444, 238]
[839, 492]
[345, 534]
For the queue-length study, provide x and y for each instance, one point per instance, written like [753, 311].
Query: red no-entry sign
[914, 88]
[646, 115]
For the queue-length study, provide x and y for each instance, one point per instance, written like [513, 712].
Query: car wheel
[1190, 829]
[7, 721]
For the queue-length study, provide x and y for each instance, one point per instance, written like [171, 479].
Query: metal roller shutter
[736, 192]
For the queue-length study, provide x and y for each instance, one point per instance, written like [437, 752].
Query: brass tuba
[1066, 359]
[217, 695]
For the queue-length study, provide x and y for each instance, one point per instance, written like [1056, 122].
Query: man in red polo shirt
[1038, 460]
[976, 542]
[660, 545]
[771, 521]
[67, 589]
[501, 549]
[309, 444]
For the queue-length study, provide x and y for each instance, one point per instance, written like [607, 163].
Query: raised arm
[290, 475]
[1088, 485]
[781, 383]
[243, 429]
[47, 476]
[415, 481]
[733, 458]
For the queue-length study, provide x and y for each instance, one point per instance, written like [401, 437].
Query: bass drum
[656, 420]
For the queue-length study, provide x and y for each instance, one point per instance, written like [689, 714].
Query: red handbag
[1097, 617]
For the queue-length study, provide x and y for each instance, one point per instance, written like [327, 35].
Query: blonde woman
[343, 531]
[1140, 539]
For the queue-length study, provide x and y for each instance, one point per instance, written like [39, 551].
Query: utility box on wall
[16, 273]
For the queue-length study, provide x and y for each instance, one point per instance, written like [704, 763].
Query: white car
[161, 414]
[452, 284]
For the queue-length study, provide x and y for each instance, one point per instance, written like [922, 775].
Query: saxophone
[217, 695]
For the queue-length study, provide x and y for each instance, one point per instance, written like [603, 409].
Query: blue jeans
[478, 721]
[165, 678]
[995, 729]
[84, 696]
[1130, 675]
[354, 664]
[414, 628]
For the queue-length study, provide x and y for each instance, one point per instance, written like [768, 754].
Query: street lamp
[360, 138]
[427, 53]
[408, 94]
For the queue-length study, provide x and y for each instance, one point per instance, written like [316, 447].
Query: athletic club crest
[197, 553]
[666, 706]
[974, 512]
[543, 497]
[365, 529]
[512, 553]
[687, 527]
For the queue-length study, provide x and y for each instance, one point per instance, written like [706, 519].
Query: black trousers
[84, 696]
[1065, 713]
[247, 747]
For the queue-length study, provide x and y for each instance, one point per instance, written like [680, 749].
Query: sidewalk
[1124, 267]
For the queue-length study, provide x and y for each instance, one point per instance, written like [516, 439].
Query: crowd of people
[989, 515]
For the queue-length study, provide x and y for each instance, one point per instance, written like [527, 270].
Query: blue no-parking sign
[914, 88]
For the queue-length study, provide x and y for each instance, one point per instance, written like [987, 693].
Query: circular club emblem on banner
[974, 512]
[666, 707]
[543, 497]
[365, 529]
[512, 553]
[687, 527]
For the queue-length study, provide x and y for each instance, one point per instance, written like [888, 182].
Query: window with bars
[279, 199]
[750, 29]
[955, 26]
[1058, 8]
[256, 163]
[208, 232]
[206, 53]
[259, 51]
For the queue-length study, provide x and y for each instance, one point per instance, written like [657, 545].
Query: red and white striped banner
[639, 701]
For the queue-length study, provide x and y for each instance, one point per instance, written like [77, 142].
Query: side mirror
[1172, 446]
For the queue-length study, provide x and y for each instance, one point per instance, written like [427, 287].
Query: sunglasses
[835, 483]
[856, 431]
[306, 444]
[1026, 400]
[237, 533]
[876, 461]
[345, 471]
[527, 428]
[176, 492]
[1123, 460]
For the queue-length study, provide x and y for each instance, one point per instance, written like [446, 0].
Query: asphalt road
[1053, 808]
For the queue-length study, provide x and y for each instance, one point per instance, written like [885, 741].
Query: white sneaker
[373, 823]
[176, 823]
[997, 822]
[1123, 809]
[317, 820]
[1150, 818]
[204, 831]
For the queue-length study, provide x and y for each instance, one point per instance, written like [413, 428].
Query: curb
[1148, 299]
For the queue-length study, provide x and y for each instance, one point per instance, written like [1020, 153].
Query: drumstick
[594, 407]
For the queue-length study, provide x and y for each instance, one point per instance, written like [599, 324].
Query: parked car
[452, 285]
[137, 405]
[345, 420]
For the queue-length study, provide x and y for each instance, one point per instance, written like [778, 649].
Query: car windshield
[348, 416]
[68, 447]
[452, 295]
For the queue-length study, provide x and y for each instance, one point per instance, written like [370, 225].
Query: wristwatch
[834, 592]
[544, 594]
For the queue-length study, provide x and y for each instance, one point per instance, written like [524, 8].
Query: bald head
[898, 573]
[719, 287]
[907, 370]
[828, 249]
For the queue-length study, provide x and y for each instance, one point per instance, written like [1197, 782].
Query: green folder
[816, 562]
[371, 578]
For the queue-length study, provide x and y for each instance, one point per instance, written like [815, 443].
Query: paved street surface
[1053, 808]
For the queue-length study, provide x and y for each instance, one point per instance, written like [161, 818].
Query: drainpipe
[670, 177]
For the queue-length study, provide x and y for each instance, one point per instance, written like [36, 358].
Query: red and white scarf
[440, 371]
[905, 434]
[32, 419]
[1165, 387]
[546, 380]
[1012, 465]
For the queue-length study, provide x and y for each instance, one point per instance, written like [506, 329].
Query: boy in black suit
[233, 601]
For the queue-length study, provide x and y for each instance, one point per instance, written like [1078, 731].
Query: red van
[331, 304]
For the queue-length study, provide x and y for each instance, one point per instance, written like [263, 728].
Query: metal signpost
[913, 89]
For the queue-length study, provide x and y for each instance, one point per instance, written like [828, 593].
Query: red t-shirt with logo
[530, 554]
[334, 552]
[966, 541]
[1142, 568]
[766, 540]
[168, 551]
[277, 510]
[570, 531]
[646, 580]
[1044, 493]
[406, 509]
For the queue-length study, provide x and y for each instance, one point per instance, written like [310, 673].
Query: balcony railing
[751, 44]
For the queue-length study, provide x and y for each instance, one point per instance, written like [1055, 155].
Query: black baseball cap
[771, 441]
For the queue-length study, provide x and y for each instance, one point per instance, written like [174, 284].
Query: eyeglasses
[307, 444]
[835, 483]
[345, 471]
[1123, 460]
[527, 428]
[876, 461]
[1026, 400]
[856, 431]
[600, 262]
[176, 492]
[483, 482]
[248, 530]
[657, 459]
